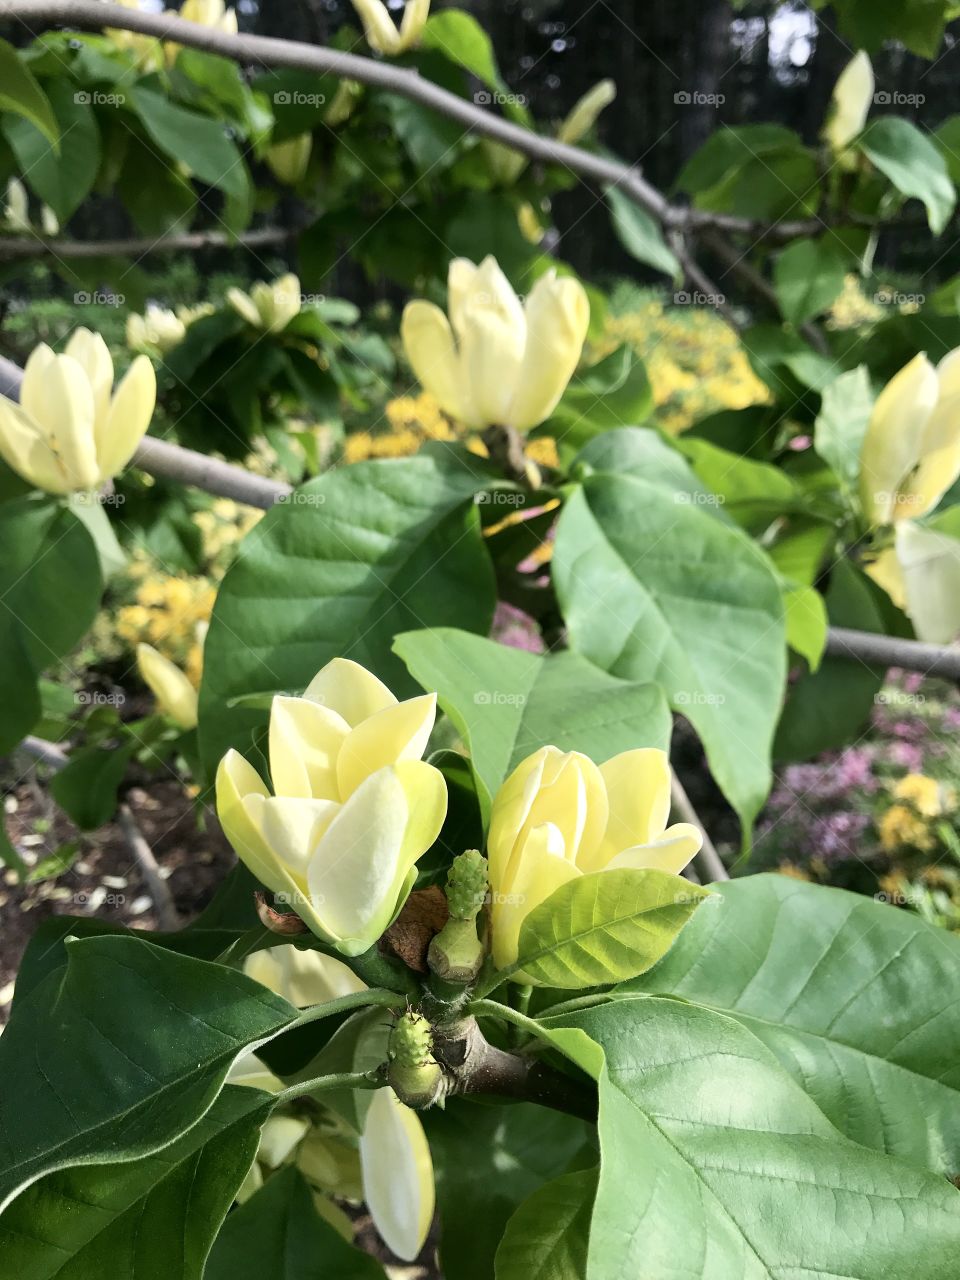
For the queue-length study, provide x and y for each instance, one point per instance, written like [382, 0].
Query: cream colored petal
[249, 1071]
[572, 797]
[305, 741]
[302, 977]
[586, 112]
[491, 356]
[894, 440]
[176, 697]
[940, 448]
[511, 807]
[492, 291]
[60, 401]
[131, 411]
[379, 28]
[244, 306]
[415, 16]
[397, 733]
[229, 24]
[930, 562]
[674, 849]
[279, 1138]
[850, 106]
[238, 784]
[397, 1174]
[558, 316]
[428, 342]
[293, 828]
[350, 690]
[887, 573]
[23, 447]
[541, 869]
[286, 300]
[93, 355]
[638, 792]
[460, 277]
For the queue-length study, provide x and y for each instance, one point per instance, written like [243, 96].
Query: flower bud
[381, 31]
[413, 1072]
[852, 99]
[288, 160]
[269, 307]
[176, 697]
[586, 113]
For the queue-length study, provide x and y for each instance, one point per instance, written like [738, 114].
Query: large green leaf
[61, 175]
[654, 588]
[601, 927]
[547, 1236]
[49, 594]
[640, 235]
[869, 24]
[119, 1055]
[808, 277]
[278, 1235]
[913, 164]
[856, 999]
[507, 703]
[21, 94]
[487, 1160]
[149, 1219]
[351, 560]
[194, 140]
[715, 1163]
[842, 425]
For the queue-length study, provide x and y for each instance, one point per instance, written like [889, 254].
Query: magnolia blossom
[353, 805]
[302, 977]
[288, 160]
[911, 452]
[381, 30]
[157, 331]
[586, 112]
[16, 212]
[176, 697]
[497, 360]
[852, 99]
[210, 13]
[921, 574]
[270, 307]
[72, 431]
[559, 816]
[397, 1172]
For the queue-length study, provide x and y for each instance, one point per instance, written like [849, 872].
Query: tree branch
[707, 861]
[19, 248]
[891, 651]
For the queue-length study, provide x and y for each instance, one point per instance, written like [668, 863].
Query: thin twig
[891, 651]
[168, 917]
[17, 248]
[707, 860]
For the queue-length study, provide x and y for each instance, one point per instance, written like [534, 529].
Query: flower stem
[344, 1080]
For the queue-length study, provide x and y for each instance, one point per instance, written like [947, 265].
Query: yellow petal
[491, 358]
[279, 1138]
[379, 28]
[930, 563]
[572, 797]
[558, 316]
[887, 573]
[281, 302]
[852, 99]
[93, 355]
[541, 869]
[940, 448]
[244, 306]
[57, 395]
[415, 16]
[586, 112]
[293, 828]
[305, 741]
[397, 733]
[302, 977]
[350, 690]
[176, 697]
[131, 410]
[894, 441]
[428, 342]
[460, 277]
[671, 852]
[238, 785]
[397, 1174]
[638, 793]
[23, 447]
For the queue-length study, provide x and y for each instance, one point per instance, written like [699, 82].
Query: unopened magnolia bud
[413, 1072]
[467, 885]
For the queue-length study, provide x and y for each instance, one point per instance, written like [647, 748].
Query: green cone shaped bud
[467, 885]
[412, 1071]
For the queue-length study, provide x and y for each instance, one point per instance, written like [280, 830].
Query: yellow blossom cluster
[908, 823]
[853, 309]
[170, 613]
[695, 362]
[223, 525]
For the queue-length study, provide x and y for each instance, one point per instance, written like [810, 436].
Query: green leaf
[640, 235]
[487, 1160]
[460, 38]
[654, 588]
[869, 24]
[194, 140]
[856, 999]
[351, 560]
[601, 927]
[62, 177]
[643, 453]
[507, 703]
[21, 94]
[615, 392]
[714, 1162]
[752, 493]
[547, 1236]
[278, 1235]
[121, 1054]
[50, 587]
[808, 277]
[151, 1219]
[842, 424]
[755, 171]
[913, 164]
[807, 622]
[87, 787]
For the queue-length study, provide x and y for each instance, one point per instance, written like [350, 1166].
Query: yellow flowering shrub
[171, 613]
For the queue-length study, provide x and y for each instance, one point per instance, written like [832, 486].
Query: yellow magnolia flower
[852, 99]
[397, 1172]
[381, 30]
[559, 816]
[921, 575]
[210, 13]
[288, 160]
[497, 360]
[156, 332]
[270, 307]
[353, 805]
[146, 50]
[586, 112]
[176, 697]
[71, 431]
[16, 213]
[911, 452]
[302, 978]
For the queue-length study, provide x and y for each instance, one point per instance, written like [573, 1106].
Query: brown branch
[708, 861]
[19, 248]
